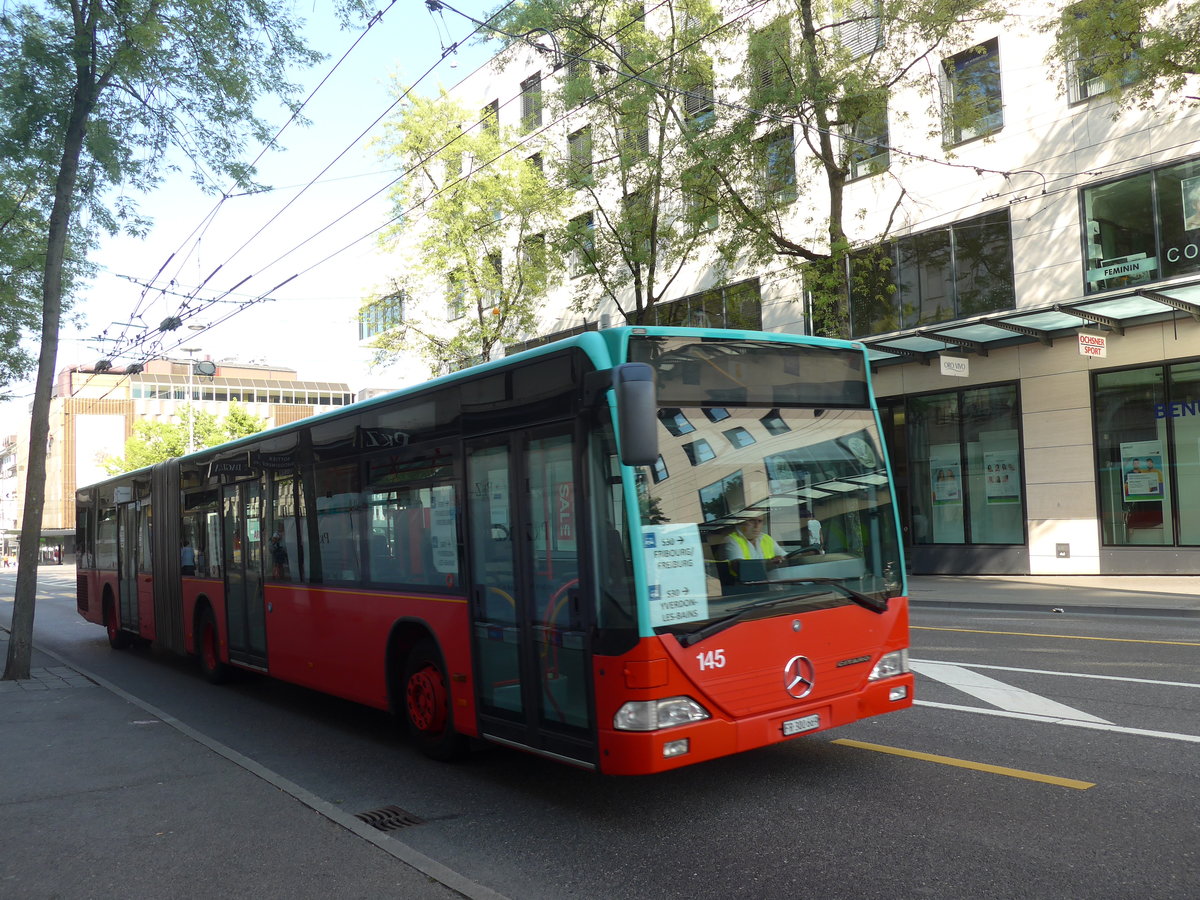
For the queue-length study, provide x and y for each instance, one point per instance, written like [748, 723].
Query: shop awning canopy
[1111, 313]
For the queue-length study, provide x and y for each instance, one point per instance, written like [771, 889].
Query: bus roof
[605, 348]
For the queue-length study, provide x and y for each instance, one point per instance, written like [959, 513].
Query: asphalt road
[1049, 756]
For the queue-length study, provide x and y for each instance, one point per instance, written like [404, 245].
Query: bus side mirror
[637, 413]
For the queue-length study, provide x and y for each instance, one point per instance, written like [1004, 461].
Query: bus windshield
[764, 499]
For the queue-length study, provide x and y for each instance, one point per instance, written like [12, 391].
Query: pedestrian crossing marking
[1000, 695]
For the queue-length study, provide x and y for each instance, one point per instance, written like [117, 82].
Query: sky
[310, 325]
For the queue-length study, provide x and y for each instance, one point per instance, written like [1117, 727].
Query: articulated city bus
[631, 550]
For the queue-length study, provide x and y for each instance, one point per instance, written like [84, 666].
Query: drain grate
[389, 818]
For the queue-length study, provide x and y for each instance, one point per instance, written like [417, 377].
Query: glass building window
[531, 102]
[380, 315]
[698, 106]
[581, 236]
[1148, 455]
[699, 452]
[963, 270]
[777, 179]
[735, 306]
[1142, 228]
[965, 472]
[659, 472]
[861, 31]
[867, 150]
[675, 421]
[972, 103]
[1085, 75]
[579, 157]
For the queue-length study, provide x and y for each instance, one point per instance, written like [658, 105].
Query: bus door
[530, 627]
[242, 507]
[127, 565]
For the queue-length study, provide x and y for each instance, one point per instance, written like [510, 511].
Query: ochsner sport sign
[1093, 344]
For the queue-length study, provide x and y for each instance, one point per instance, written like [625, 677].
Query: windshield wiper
[695, 637]
[874, 604]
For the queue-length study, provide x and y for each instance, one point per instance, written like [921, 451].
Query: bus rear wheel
[117, 639]
[208, 648]
[427, 705]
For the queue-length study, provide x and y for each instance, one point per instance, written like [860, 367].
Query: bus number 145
[713, 659]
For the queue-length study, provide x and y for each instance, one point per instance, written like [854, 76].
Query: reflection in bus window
[201, 528]
[338, 497]
[285, 556]
[816, 478]
[106, 539]
[610, 534]
[413, 519]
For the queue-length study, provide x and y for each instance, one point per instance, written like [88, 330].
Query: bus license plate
[796, 726]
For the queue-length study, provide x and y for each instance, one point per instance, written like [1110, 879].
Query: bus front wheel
[427, 704]
[208, 648]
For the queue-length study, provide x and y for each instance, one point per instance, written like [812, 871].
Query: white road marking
[1001, 695]
[1076, 723]
[1182, 684]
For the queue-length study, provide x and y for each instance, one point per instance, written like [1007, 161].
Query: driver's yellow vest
[769, 548]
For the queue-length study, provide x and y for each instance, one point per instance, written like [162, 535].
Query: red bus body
[411, 578]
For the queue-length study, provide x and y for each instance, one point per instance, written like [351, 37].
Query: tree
[103, 91]
[816, 83]
[637, 88]
[24, 220]
[155, 442]
[1137, 47]
[473, 219]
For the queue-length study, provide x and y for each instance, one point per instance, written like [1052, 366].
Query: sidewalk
[105, 797]
[1161, 595]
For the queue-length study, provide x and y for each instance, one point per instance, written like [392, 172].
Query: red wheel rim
[110, 622]
[426, 697]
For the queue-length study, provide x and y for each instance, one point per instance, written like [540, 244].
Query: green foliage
[463, 205]
[826, 70]
[643, 81]
[154, 442]
[1135, 47]
[95, 93]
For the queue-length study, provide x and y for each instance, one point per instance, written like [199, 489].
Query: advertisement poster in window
[443, 527]
[1002, 478]
[1142, 470]
[947, 482]
[1191, 203]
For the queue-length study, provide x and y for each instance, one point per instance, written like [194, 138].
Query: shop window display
[1148, 455]
[965, 467]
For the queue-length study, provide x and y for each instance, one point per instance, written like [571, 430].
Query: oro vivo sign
[1093, 344]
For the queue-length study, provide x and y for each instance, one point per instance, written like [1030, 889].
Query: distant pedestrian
[187, 559]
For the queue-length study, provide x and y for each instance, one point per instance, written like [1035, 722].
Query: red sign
[566, 511]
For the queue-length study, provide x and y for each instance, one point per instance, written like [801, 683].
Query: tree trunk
[20, 643]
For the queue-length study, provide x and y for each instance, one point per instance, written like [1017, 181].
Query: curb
[1049, 608]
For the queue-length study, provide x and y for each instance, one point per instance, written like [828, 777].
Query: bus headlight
[894, 663]
[651, 715]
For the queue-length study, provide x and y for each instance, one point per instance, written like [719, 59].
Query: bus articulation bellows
[631, 550]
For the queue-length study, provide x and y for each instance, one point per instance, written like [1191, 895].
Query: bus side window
[338, 497]
[285, 557]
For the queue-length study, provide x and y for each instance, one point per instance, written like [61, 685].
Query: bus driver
[749, 541]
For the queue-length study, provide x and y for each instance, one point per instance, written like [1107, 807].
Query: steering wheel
[810, 550]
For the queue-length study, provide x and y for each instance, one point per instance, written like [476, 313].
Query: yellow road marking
[967, 764]
[1073, 637]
